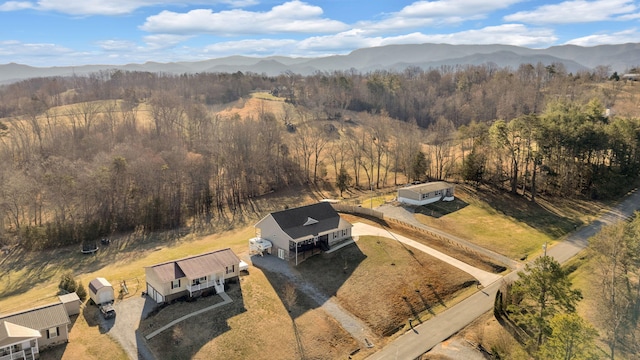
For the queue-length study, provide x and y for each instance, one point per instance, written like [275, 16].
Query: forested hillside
[88, 156]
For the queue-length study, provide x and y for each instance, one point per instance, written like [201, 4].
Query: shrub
[68, 284]
[81, 291]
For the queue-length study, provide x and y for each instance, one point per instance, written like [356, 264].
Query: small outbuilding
[101, 291]
[427, 193]
[71, 303]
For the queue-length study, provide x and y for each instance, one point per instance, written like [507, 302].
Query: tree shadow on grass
[535, 214]
[441, 208]
[186, 338]
[30, 264]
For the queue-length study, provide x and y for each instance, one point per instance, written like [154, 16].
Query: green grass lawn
[507, 224]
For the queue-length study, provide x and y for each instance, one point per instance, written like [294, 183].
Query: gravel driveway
[124, 328]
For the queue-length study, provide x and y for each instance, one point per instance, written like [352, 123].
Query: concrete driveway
[484, 277]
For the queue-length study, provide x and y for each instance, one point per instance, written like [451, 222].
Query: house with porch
[427, 193]
[23, 334]
[297, 233]
[191, 276]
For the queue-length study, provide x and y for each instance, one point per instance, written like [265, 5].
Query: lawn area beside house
[384, 282]
[507, 224]
[256, 325]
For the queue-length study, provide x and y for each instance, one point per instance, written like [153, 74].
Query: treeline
[85, 157]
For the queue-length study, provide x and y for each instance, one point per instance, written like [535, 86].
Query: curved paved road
[484, 277]
[430, 333]
[406, 214]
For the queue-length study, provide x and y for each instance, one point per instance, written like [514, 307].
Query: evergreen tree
[343, 180]
[545, 290]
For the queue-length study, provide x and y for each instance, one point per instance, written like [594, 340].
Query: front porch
[25, 354]
[199, 285]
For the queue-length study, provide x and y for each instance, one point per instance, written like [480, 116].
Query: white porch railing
[201, 286]
[219, 285]
[19, 355]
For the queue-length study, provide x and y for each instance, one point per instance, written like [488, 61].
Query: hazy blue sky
[78, 32]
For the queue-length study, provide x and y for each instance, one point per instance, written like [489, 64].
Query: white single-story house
[101, 291]
[295, 232]
[23, 334]
[427, 193]
[192, 275]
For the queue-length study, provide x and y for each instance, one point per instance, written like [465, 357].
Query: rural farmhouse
[24, 333]
[192, 275]
[300, 232]
[423, 194]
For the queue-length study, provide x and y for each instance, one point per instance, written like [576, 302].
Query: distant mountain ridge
[391, 57]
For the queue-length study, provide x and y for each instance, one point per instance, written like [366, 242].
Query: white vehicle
[260, 246]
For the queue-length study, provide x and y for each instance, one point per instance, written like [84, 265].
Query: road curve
[430, 333]
[484, 277]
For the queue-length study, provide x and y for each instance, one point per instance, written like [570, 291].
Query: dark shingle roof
[40, 318]
[292, 221]
[197, 266]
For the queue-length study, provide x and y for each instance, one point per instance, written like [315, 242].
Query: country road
[430, 333]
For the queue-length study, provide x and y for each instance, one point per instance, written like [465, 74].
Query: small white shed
[71, 303]
[101, 291]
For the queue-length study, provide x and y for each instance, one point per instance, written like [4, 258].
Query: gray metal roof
[197, 266]
[292, 221]
[428, 187]
[40, 318]
[70, 297]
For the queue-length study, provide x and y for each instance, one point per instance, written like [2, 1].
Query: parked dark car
[107, 310]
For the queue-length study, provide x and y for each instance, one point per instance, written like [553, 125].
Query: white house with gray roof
[295, 233]
[427, 193]
[192, 275]
[23, 334]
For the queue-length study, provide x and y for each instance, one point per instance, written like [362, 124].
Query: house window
[52, 333]
[175, 284]
[232, 269]
[344, 232]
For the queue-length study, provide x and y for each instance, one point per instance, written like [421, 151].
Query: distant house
[23, 334]
[631, 77]
[297, 231]
[422, 194]
[192, 275]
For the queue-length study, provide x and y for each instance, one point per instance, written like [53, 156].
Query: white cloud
[164, 41]
[347, 41]
[290, 17]
[32, 53]
[620, 37]
[453, 8]
[16, 5]
[576, 11]
[435, 13]
[257, 47]
[110, 7]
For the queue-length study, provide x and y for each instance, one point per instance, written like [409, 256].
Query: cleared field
[507, 224]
